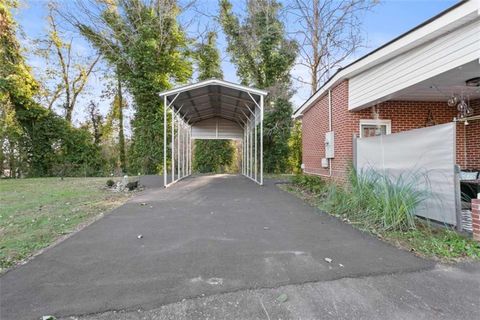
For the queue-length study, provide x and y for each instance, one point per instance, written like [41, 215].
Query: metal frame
[181, 131]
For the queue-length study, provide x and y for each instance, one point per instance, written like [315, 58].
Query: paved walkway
[203, 236]
[442, 293]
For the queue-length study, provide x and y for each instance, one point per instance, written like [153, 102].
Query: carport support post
[256, 151]
[190, 153]
[243, 151]
[173, 145]
[261, 140]
[184, 141]
[246, 151]
[184, 148]
[164, 140]
[179, 149]
[251, 149]
[178, 146]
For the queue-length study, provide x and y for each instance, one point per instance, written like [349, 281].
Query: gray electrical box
[329, 145]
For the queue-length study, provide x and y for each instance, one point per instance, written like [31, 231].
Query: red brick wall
[404, 115]
[472, 139]
[315, 125]
[476, 219]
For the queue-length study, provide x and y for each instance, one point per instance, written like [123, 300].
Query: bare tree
[329, 32]
[68, 74]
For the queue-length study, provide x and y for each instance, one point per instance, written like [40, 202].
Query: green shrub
[213, 156]
[110, 183]
[309, 183]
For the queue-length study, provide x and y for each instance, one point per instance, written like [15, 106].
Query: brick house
[405, 84]
[400, 86]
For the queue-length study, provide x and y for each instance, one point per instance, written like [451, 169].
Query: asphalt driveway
[203, 236]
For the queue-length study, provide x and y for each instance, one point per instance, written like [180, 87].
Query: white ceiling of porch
[440, 87]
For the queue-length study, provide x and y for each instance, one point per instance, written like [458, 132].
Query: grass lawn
[36, 212]
[425, 240]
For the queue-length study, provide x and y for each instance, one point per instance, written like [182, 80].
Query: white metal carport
[212, 109]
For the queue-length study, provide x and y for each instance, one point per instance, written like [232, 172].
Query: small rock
[151, 207]
[282, 298]
[328, 260]
[266, 228]
[341, 265]
[143, 204]
[48, 318]
[139, 236]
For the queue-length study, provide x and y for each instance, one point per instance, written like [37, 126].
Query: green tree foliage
[149, 51]
[264, 57]
[295, 148]
[277, 124]
[208, 59]
[213, 156]
[38, 142]
[113, 140]
[258, 46]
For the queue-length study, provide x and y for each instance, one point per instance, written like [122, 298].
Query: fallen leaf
[282, 298]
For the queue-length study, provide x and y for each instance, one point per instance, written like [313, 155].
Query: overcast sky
[387, 20]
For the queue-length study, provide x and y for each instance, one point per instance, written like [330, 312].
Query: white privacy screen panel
[426, 153]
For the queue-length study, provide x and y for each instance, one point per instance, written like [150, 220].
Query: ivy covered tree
[148, 48]
[210, 155]
[38, 142]
[295, 148]
[208, 58]
[264, 56]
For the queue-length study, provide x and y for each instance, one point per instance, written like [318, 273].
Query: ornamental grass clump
[386, 202]
[370, 199]
[377, 201]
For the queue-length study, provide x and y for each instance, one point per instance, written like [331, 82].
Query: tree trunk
[68, 107]
[121, 137]
[315, 39]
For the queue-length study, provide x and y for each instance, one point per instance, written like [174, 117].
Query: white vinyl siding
[217, 128]
[433, 58]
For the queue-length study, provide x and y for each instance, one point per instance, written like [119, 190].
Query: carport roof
[213, 98]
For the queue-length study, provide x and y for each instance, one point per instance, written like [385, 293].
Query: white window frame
[376, 122]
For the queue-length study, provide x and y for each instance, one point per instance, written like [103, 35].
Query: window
[371, 128]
